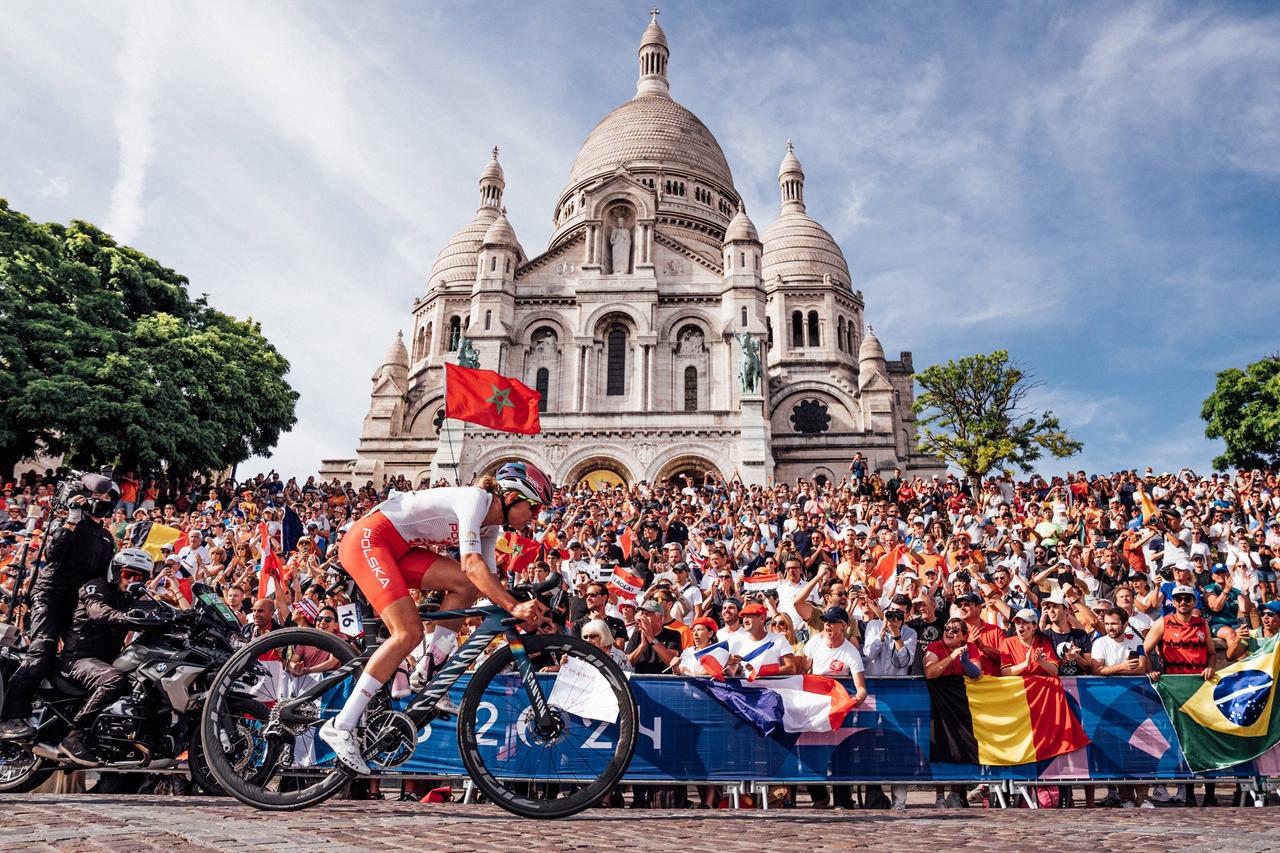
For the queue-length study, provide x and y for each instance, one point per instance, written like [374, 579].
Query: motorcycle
[169, 664]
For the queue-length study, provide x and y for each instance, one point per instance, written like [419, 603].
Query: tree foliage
[105, 358]
[1244, 411]
[973, 417]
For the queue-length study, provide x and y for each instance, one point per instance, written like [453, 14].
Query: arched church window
[768, 326]
[418, 341]
[508, 267]
[797, 329]
[744, 316]
[691, 389]
[488, 320]
[616, 370]
[542, 383]
[813, 329]
[455, 332]
[810, 417]
[840, 333]
[493, 263]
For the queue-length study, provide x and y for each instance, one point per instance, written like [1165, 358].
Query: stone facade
[636, 322]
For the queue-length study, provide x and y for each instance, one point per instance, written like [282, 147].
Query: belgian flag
[1001, 721]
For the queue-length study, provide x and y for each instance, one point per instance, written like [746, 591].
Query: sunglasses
[779, 624]
[592, 637]
[323, 619]
[1184, 597]
[131, 575]
[951, 630]
[594, 594]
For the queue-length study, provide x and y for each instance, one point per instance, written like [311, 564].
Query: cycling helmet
[526, 480]
[131, 558]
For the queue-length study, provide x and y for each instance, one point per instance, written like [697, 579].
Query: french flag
[796, 703]
[713, 659]
[762, 660]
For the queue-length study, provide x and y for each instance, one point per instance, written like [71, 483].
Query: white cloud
[138, 65]
[55, 186]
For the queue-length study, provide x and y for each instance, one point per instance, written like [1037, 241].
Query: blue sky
[1095, 187]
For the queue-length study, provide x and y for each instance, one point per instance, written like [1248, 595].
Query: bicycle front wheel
[254, 755]
[555, 770]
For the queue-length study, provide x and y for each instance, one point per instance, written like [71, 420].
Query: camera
[79, 483]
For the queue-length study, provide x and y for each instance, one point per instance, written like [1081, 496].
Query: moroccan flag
[150, 536]
[1001, 721]
[490, 399]
[626, 542]
[521, 551]
[1231, 719]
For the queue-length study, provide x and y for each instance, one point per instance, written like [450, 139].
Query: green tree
[106, 359]
[1244, 411]
[972, 416]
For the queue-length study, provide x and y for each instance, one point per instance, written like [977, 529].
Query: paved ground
[178, 824]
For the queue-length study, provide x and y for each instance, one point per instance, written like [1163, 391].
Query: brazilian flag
[1231, 719]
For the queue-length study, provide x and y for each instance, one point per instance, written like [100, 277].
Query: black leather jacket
[74, 556]
[99, 626]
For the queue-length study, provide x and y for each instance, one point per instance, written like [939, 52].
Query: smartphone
[1134, 654]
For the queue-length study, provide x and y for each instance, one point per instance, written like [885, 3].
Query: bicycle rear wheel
[560, 771]
[252, 754]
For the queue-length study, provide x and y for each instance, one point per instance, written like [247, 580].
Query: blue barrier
[686, 735]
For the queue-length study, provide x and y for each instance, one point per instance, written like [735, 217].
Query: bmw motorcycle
[169, 664]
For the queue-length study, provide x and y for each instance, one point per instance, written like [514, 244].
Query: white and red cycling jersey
[389, 551]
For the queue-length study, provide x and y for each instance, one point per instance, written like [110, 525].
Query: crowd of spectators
[1083, 574]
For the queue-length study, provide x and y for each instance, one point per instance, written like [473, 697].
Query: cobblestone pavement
[179, 824]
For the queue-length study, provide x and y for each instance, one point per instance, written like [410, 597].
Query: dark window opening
[616, 383]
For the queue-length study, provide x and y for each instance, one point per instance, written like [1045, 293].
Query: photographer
[78, 551]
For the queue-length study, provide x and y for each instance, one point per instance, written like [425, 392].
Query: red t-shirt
[941, 652]
[993, 637]
[1014, 652]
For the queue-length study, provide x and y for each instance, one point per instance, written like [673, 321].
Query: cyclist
[397, 545]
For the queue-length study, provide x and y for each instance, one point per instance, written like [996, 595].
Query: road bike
[546, 724]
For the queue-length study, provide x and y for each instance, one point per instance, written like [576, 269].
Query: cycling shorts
[381, 562]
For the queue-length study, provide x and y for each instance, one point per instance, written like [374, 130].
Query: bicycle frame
[421, 710]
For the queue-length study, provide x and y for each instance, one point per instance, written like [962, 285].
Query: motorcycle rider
[77, 551]
[102, 620]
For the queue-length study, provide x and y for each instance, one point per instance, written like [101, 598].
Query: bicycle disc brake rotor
[392, 738]
[543, 736]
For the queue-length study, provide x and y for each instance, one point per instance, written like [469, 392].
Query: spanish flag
[1001, 721]
[1233, 718]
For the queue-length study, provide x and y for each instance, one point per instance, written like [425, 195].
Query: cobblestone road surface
[181, 824]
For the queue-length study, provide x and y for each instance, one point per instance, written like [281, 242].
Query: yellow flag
[1149, 510]
[1239, 699]
[158, 535]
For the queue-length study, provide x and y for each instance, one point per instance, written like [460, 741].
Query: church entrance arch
[599, 472]
[683, 469]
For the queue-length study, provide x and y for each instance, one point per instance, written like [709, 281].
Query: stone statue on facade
[690, 343]
[620, 248]
[750, 371]
[468, 356]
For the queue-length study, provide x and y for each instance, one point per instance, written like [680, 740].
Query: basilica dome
[651, 130]
[796, 246]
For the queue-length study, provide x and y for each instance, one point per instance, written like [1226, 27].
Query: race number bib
[349, 622]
